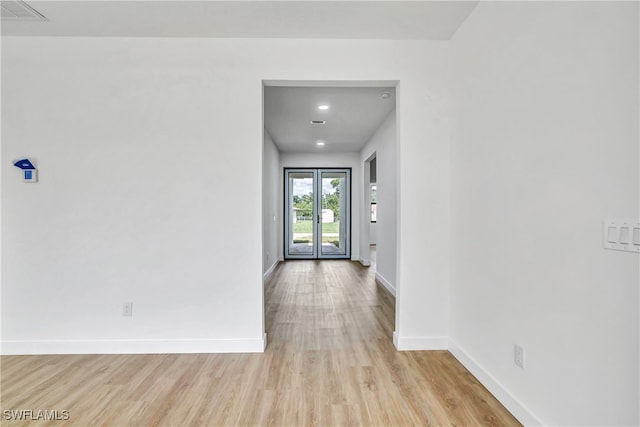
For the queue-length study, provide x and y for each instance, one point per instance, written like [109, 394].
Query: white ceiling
[353, 116]
[355, 112]
[425, 20]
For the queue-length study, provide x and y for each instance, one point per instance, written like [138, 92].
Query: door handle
[318, 219]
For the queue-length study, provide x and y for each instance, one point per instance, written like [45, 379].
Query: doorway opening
[317, 213]
[316, 127]
[369, 233]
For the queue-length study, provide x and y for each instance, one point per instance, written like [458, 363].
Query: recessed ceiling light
[323, 107]
[318, 122]
[320, 143]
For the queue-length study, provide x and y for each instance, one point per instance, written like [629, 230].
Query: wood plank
[330, 362]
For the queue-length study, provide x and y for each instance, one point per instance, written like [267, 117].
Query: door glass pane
[373, 192]
[333, 213]
[301, 213]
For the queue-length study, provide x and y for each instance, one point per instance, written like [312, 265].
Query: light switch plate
[621, 234]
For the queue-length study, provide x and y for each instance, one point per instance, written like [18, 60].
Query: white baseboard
[420, 343]
[133, 346]
[365, 262]
[513, 405]
[387, 285]
[267, 273]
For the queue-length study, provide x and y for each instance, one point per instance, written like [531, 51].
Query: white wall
[544, 146]
[423, 212]
[271, 208]
[150, 156]
[373, 233]
[383, 144]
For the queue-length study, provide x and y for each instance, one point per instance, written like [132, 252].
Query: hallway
[331, 326]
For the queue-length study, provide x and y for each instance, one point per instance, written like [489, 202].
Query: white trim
[331, 83]
[267, 273]
[500, 392]
[247, 345]
[365, 262]
[419, 343]
[387, 285]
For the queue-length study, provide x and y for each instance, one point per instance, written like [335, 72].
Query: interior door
[317, 213]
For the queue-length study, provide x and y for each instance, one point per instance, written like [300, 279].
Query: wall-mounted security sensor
[29, 171]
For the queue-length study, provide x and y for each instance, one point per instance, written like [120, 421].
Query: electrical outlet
[518, 356]
[127, 309]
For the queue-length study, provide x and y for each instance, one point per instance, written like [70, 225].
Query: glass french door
[317, 213]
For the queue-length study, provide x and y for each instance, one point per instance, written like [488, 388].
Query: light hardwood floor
[330, 362]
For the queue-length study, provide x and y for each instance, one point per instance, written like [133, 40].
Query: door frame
[317, 227]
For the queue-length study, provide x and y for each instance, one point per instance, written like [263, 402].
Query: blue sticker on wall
[29, 171]
[24, 164]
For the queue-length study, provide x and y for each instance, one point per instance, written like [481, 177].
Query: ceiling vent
[318, 122]
[17, 10]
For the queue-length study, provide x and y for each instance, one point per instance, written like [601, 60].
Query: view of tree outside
[303, 210]
[304, 204]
